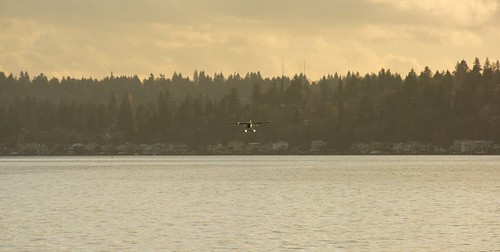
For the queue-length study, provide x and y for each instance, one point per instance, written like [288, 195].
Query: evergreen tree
[125, 118]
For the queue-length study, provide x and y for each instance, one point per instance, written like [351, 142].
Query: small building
[412, 148]
[462, 146]
[280, 146]
[253, 147]
[472, 146]
[76, 148]
[361, 148]
[496, 148]
[177, 148]
[380, 147]
[91, 147]
[35, 149]
[126, 148]
[159, 148]
[318, 145]
[145, 149]
[214, 148]
[482, 146]
[236, 146]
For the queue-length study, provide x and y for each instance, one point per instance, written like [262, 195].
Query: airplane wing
[261, 122]
[238, 122]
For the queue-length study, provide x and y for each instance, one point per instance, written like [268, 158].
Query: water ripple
[269, 203]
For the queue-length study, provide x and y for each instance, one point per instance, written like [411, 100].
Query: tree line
[437, 107]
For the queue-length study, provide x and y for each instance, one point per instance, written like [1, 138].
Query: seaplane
[250, 125]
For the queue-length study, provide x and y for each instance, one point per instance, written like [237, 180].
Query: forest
[341, 109]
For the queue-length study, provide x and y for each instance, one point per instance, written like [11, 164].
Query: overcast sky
[91, 38]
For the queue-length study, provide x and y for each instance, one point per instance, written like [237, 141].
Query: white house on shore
[280, 146]
[472, 146]
[318, 145]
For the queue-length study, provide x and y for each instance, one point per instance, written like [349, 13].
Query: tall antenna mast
[282, 66]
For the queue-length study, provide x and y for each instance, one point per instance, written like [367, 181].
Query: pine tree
[125, 118]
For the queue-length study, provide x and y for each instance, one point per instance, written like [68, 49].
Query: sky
[93, 38]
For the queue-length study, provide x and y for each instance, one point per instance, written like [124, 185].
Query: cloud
[451, 12]
[386, 33]
[95, 37]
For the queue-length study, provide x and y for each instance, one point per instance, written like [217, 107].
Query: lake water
[250, 203]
